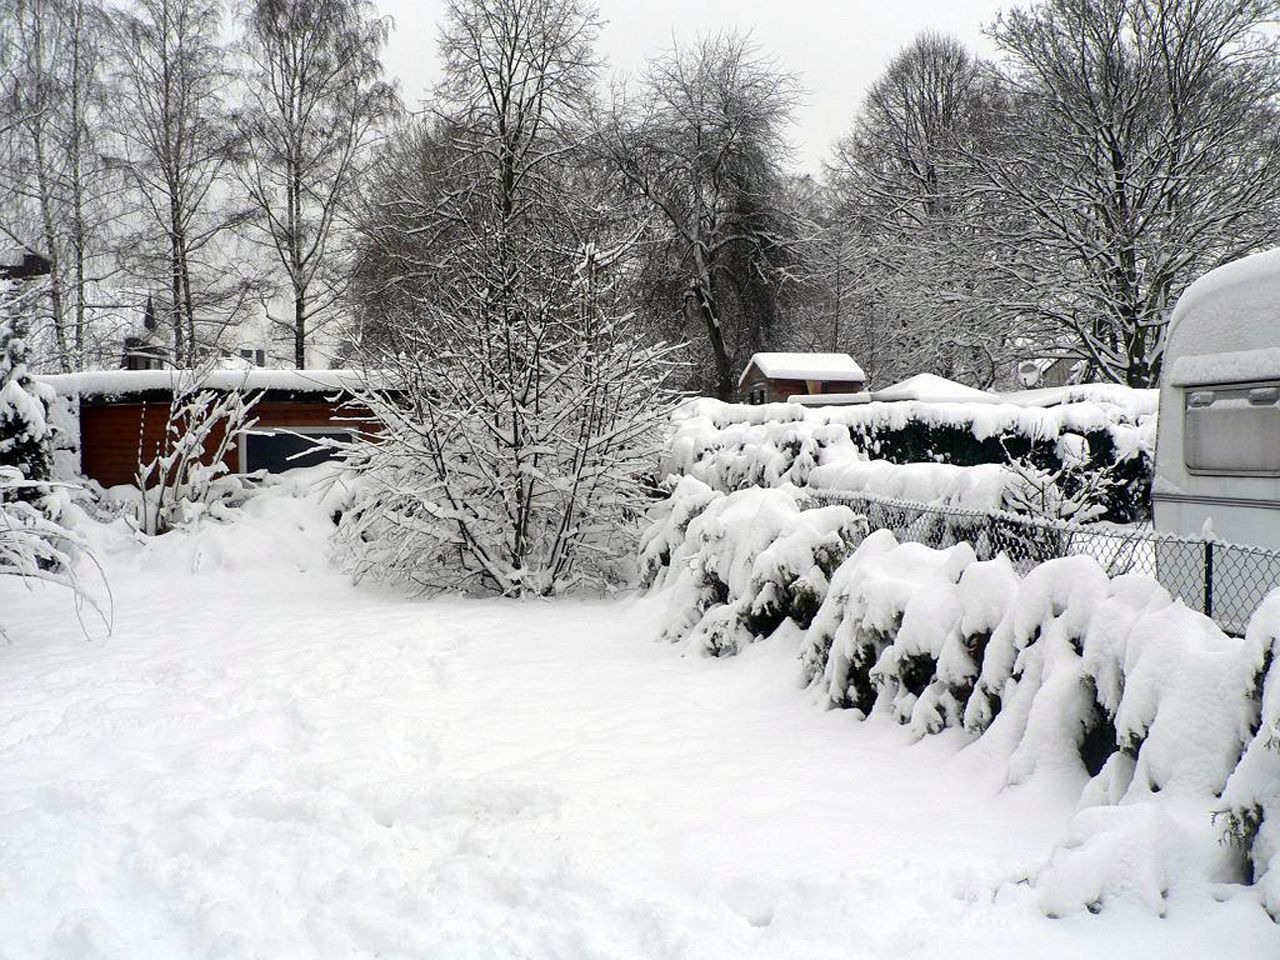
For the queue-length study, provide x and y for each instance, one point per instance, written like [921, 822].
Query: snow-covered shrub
[900, 610]
[26, 439]
[933, 445]
[34, 546]
[669, 522]
[1072, 490]
[517, 462]
[1171, 726]
[180, 484]
[1250, 811]
[750, 561]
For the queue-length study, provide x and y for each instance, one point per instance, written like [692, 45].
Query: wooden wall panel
[116, 437]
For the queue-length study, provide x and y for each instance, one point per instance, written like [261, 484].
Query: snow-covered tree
[521, 422]
[1139, 150]
[910, 221]
[56, 194]
[702, 143]
[26, 439]
[175, 146]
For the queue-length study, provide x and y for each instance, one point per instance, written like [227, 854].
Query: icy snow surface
[264, 761]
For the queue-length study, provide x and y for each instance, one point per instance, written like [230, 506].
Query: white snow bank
[934, 389]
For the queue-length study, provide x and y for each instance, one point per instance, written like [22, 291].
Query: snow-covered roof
[1226, 326]
[111, 382]
[931, 387]
[805, 366]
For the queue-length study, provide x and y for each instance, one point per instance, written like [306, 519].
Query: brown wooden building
[123, 416]
[772, 377]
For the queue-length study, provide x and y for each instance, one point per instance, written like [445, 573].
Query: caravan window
[1232, 429]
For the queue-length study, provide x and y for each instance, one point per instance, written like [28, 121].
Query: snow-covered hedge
[1170, 727]
[732, 446]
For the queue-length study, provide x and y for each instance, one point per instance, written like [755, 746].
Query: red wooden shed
[120, 417]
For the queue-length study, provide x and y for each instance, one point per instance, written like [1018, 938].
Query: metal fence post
[1208, 578]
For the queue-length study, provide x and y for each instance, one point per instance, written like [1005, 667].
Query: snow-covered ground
[264, 761]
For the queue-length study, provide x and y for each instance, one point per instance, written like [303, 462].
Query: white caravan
[1218, 443]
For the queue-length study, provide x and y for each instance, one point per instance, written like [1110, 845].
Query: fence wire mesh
[1226, 582]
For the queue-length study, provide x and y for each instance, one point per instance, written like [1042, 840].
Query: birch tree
[176, 148]
[314, 102]
[59, 196]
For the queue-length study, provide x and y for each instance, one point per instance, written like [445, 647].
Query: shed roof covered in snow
[124, 382]
[930, 387]
[805, 366]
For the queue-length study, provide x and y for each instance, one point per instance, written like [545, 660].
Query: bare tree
[177, 144]
[1140, 149]
[703, 141]
[314, 102]
[903, 183]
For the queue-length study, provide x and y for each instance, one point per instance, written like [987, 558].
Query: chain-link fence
[1226, 582]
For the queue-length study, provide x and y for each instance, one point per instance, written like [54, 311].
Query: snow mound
[935, 389]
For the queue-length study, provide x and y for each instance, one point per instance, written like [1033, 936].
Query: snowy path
[277, 765]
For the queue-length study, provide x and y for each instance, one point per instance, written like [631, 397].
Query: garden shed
[110, 421]
[771, 377]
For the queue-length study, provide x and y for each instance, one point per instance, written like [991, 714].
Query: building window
[276, 449]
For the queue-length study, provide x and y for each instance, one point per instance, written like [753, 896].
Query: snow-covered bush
[669, 522]
[515, 463]
[1172, 726]
[748, 562]
[1072, 490]
[180, 483]
[34, 546]
[932, 445]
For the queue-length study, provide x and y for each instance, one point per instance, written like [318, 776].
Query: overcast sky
[836, 47]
